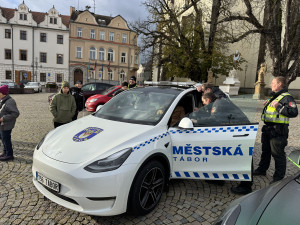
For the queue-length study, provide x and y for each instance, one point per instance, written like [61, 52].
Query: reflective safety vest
[271, 115]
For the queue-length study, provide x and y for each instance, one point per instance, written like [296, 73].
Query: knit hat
[133, 78]
[65, 84]
[4, 89]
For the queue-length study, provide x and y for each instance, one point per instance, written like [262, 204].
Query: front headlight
[111, 162]
[94, 99]
[40, 143]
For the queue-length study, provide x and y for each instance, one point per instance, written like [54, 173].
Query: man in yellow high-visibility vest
[276, 113]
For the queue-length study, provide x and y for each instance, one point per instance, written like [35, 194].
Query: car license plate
[47, 182]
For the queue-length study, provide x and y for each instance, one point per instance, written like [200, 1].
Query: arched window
[92, 53]
[101, 54]
[110, 75]
[122, 75]
[110, 55]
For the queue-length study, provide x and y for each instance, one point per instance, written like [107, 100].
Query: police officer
[132, 82]
[275, 115]
[77, 93]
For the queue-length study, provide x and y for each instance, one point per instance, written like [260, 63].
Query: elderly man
[276, 113]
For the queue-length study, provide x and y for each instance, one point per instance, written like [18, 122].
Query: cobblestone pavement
[187, 202]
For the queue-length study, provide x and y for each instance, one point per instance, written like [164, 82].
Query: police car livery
[120, 158]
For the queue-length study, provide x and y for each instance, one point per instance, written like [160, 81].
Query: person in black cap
[132, 82]
[77, 93]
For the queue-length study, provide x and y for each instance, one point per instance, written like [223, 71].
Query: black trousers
[273, 144]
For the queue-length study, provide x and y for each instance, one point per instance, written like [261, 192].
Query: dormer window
[23, 16]
[53, 20]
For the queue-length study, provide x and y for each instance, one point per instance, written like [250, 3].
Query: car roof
[161, 89]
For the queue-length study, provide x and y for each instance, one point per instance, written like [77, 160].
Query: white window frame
[102, 54]
[102, 35]
[110, 75]
[79, 32]
[78, 52]
[92, 34]
[110, 55]
[92, 53]
[124, 38]
[123, 57]
[111, 36]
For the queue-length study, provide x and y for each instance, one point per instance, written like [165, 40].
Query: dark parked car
[276, 204]
[94, 88]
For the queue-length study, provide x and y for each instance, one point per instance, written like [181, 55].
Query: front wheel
[147, 188]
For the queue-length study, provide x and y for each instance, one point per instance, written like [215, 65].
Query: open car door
[216, 142]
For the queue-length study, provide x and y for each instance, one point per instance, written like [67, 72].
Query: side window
[86, 87]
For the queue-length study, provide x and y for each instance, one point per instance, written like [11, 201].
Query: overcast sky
[130, 10]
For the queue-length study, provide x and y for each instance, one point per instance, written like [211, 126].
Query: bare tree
[282, 34]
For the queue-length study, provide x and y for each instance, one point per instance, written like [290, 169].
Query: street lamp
[246, 67]
[35, 65]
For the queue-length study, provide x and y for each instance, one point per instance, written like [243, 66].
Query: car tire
[147, 188]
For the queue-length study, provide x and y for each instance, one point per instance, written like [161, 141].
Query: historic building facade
[102, 48]
[34, 45]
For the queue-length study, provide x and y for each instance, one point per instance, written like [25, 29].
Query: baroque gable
[2, 18]
[87, 18]
[118, 22]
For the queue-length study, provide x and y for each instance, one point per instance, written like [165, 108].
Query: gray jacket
[9, 112]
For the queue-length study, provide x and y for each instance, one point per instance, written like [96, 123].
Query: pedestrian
[198, 96]
[8, 116]
[216, 90]
[77, 93]
[124, 87]
[132, 82]
[63, 106]
[276, 113]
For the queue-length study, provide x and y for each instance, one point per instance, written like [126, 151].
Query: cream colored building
[102, 48]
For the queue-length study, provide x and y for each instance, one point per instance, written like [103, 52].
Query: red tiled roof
[37, 16]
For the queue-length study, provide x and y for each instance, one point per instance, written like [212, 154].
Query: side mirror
[295, 157]
[186, 123]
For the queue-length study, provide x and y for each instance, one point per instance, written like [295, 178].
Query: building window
[43, 37]
[110, 55]
[92, 53]
[78, 53]
[111, 36]
[122, 75]
[23, 16]
[8, 74]
[110, 75]
[59, 77]
[101, 54]
[131, 57]
[23, 55]
[136, 59]
[7, 53]
[43, 57]
[123, 57]
[79, 32]
[124, 38]
[42, 77]
[8, 33]
[53, 20]
[102, 35]
[92, 34]
[59, 59]
[23, 35]
[60, 39]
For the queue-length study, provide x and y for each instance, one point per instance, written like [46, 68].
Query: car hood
[284, 207]
[90, 138]
[95, 96]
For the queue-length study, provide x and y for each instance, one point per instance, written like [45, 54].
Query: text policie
[191, 152]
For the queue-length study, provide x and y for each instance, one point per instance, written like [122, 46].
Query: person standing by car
[63, 106]
[276, 113]
[124, 87]
[8, 116]
[132, 82]
[77, 93]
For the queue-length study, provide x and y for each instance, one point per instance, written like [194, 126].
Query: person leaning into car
[77, 93]
[276, 113]
[63, 106]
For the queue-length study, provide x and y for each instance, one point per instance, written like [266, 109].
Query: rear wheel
[147, 188]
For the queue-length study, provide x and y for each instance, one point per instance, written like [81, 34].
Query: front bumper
[102, 194]
[91, 107]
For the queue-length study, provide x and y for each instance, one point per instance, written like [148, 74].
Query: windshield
[141, 106]
[105, 92]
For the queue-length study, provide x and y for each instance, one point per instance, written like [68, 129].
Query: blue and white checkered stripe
[215, 176]
[217, 129]
[143, 144]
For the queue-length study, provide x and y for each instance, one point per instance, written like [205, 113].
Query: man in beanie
[63, 106]
[8, 116]
[77, 93]
[132, 82]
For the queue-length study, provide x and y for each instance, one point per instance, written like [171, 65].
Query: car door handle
[242, 135]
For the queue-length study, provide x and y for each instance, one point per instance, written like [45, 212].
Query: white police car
[121, 158]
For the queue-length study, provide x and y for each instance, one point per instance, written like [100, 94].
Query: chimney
[72, 9]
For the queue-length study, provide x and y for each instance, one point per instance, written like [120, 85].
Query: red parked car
[94, 102]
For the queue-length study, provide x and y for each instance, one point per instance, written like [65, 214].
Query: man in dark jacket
[132, 82]
[8, 116]
[276, 113]
[79, 98]
[216, 90]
